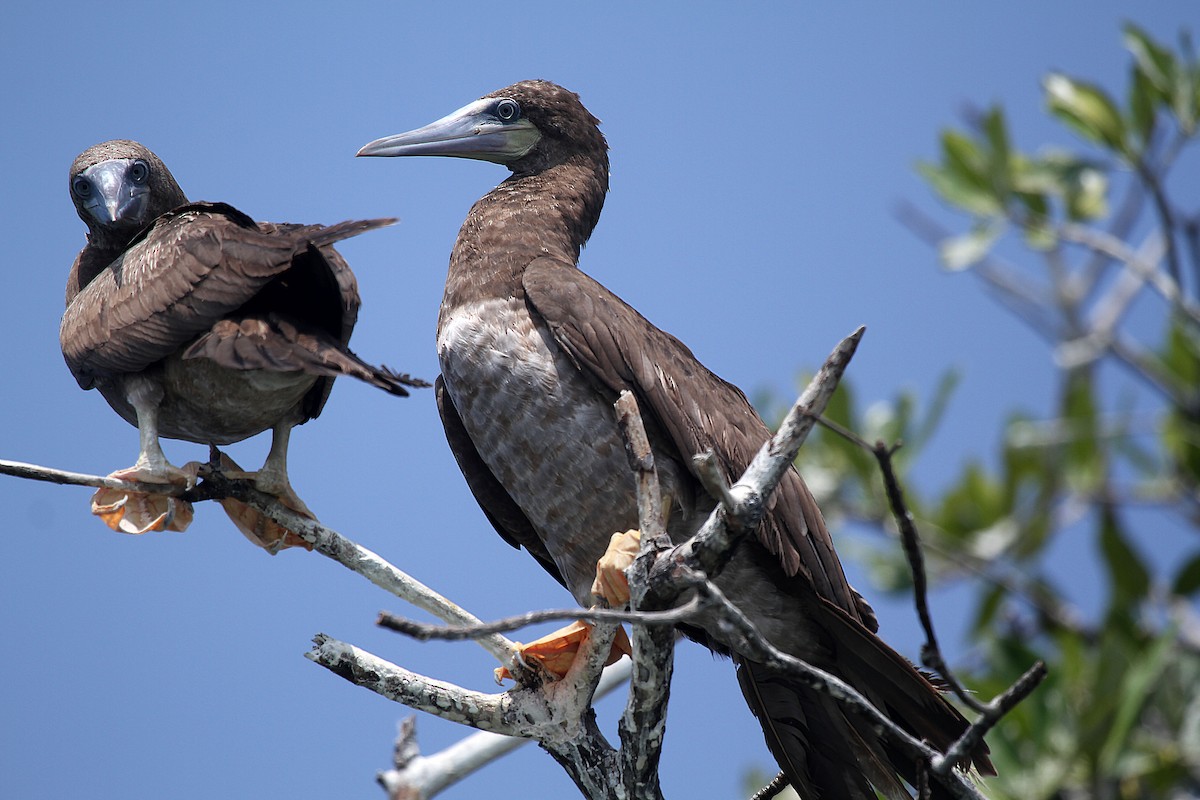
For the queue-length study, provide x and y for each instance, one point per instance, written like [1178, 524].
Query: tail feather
[897, 687]
[325, 235]
[276, 344]
[817, 747]
[830, 753]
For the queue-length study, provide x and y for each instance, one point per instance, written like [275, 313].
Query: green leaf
[1155, 62]
[947, 383]
[1086, 108]
[1135, 690]
[1187, 580]
[1084, 458]
[1185, 98]
[964, 178]
[1142, 112]
[963, 157]
[959, 192]
[998, 156]
[1126, 569]
[960, 252]
[1087, 194]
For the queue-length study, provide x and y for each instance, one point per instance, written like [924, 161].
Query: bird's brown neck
[103, 248]
[550, 213]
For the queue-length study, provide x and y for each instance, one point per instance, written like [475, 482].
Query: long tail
[831, 754]
[324, 235]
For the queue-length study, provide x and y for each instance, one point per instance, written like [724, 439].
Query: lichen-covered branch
[669, 583]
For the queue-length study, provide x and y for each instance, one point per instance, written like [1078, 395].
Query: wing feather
[617, 348]
[181, 275]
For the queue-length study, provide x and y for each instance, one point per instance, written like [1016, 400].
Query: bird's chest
[546, 435]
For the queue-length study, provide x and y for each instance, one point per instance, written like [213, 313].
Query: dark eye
[508, 110]
[82, 187]
[139, 171]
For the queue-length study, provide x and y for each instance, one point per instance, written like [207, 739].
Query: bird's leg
[138, 512]
[557, 651]
[273, 480]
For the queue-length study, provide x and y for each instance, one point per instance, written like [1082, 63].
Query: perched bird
[195, 322]
[533, 354]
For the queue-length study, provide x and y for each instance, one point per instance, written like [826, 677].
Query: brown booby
[195, 322]
[533, 354]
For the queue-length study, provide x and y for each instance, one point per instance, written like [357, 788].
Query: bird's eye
[508, 110]
[82, 187]
[139, 172]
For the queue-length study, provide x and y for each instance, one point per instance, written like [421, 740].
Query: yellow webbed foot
[139, 512]
[556, 652]
[258, 527]
[611, 583]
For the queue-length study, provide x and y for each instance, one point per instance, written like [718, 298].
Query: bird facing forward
[195, 322]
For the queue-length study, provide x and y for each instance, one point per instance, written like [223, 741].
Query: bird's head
[119, 186]
[529, 127]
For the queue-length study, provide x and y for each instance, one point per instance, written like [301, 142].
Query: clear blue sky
[757, 155]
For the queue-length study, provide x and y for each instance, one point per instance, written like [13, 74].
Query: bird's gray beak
[114, 196]
[474, 131]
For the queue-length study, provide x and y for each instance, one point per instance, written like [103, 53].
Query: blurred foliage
[1069, 239]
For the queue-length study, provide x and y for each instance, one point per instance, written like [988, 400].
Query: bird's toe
[256, 526]
[611, 583]
[556, 652]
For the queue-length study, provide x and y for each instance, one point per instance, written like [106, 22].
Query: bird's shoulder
[693, 411]
[178, 275]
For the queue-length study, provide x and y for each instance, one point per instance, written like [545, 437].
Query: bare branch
[931, 654]
[1166, 215]
[418, 777]
[490, 712]
[751, 644]
[425, 632]
[34, 472]
[710, 548]
[325, 541]
[960, 751]
[1141, 264]
[643, 724]
[374, 568]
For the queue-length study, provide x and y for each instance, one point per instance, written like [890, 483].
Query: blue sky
[757, 156]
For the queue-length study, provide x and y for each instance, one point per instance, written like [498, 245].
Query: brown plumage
[195, 322]
[533, 354]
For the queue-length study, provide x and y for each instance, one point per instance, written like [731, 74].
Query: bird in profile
[195, 322]
[533, 354]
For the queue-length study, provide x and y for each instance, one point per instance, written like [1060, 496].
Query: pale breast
[544, 433]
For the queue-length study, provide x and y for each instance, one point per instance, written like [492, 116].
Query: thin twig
[772, 789]
[34, 472]
[425, 632]
[960, 752]
[1166, 215]
[751, 644]
[931, 654]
